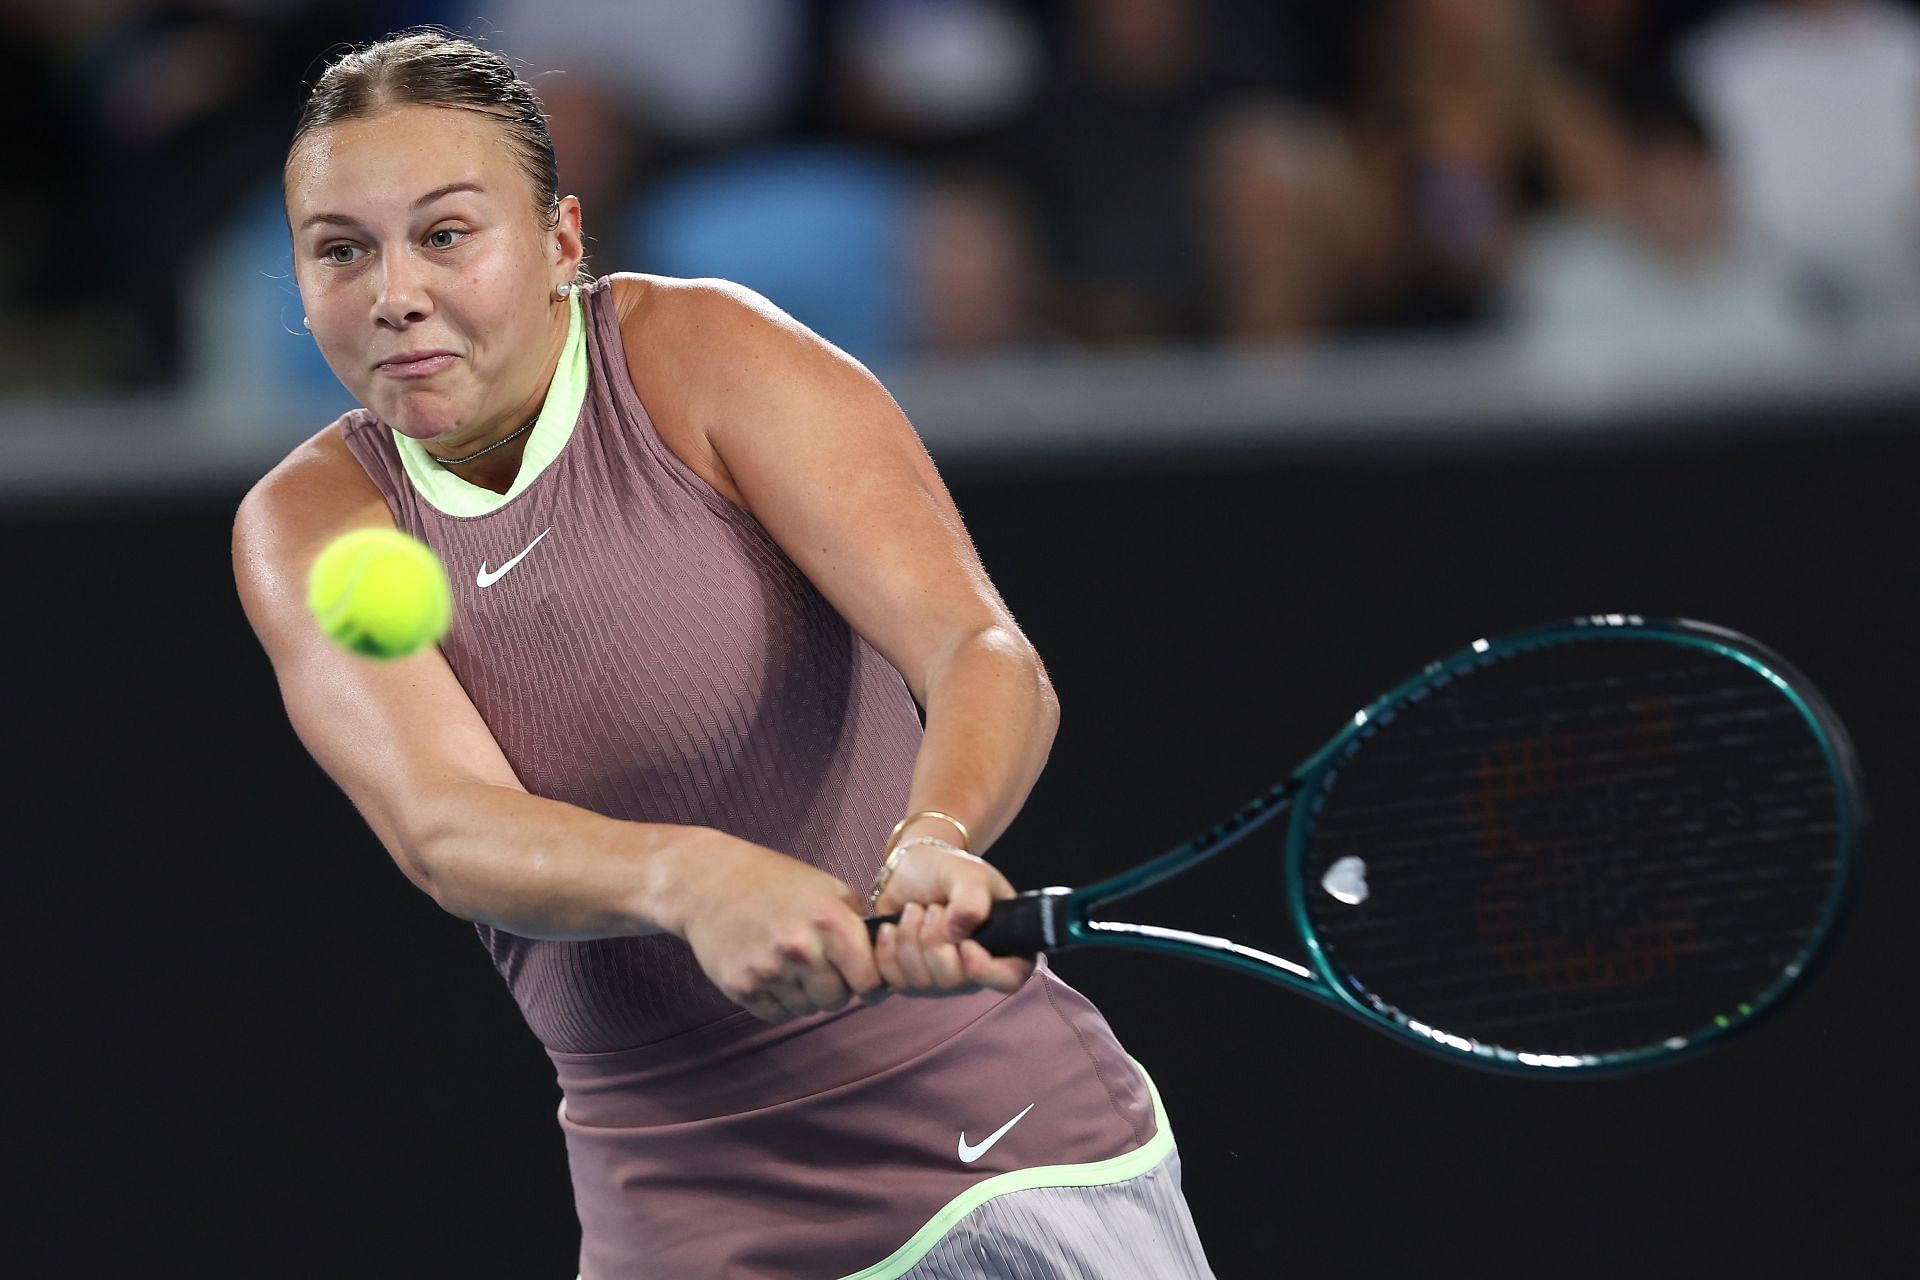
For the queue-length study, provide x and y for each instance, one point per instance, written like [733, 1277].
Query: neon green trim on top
[551, 431]
[1099, 1173]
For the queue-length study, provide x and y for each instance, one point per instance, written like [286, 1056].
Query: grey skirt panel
[1139, 1229]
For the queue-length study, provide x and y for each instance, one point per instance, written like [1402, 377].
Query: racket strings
[1583, 849]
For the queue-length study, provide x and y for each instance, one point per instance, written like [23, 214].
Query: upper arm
[810, 443]
[388, 733]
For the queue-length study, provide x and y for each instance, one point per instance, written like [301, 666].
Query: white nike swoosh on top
[486, 578]
[969, 1154]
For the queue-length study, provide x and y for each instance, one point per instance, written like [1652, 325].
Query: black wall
[247, 1046]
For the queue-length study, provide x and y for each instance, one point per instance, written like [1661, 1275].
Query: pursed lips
[416, 363]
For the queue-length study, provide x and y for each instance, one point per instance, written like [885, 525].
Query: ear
[569, 242]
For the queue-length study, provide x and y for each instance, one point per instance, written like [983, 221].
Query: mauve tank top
[642, 648]
[654, 657]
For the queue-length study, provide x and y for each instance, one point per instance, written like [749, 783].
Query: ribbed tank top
[644, 649]
[653, 656]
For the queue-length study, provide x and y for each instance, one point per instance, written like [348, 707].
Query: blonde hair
[429, 66]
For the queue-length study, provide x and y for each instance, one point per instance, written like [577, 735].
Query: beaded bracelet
[893, 858]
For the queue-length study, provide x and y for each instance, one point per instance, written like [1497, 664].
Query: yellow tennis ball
[380, 592]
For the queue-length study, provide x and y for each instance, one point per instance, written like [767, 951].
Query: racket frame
[1066, 915]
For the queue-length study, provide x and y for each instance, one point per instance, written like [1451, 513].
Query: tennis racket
[1578, 848]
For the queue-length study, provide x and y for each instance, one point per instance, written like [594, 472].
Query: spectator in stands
[1464, 127]
[635, 87]
[696, 74]
[1610, 44]
[939, 80]
[1817, 106]
[975, 279]
[1598, 39]
[931, 72]
[1108, 154]
[1277, 186]
[178, 111]
[1664, 278]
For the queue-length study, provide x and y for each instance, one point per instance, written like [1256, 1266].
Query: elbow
[423, 846]
[1049, 725]
[448, 892]
[1002, 653]
[1046, 715]
[416, 864]
[416, 860]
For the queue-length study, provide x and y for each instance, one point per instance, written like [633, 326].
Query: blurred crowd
[921, 177]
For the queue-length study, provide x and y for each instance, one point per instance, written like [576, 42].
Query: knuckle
[755, 978]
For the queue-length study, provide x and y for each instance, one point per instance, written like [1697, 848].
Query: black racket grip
[1025, 925]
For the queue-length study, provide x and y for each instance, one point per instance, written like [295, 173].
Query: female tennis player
[703, 571]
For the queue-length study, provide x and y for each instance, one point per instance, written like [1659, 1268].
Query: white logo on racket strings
[486, 578]
[1346, 880]
[969, 1154]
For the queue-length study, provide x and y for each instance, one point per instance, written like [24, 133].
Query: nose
[402, 298]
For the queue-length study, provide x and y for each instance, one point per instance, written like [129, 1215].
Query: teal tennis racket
[1584, 847]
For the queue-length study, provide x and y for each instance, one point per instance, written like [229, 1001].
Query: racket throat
[1205, 947]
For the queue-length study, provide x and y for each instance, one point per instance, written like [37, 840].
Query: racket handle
[1025, 925]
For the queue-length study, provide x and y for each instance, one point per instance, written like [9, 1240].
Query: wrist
[901, 848]
[930, 822]
[669, 890]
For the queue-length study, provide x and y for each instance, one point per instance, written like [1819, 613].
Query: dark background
[249, 1047]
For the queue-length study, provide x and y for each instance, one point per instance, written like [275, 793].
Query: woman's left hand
[942, 896]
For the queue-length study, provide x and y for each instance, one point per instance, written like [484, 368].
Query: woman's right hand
[778, 937]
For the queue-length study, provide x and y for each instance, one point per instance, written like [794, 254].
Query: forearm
[991, 715]
[541, 868]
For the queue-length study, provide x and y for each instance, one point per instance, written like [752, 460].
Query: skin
[778, 422]
[465, 272]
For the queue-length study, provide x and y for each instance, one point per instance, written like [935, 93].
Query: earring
[306, 323]
[562, 290]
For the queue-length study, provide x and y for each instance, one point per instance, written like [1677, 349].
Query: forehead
[391, 158]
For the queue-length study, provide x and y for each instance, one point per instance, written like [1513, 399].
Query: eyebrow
[421, 203]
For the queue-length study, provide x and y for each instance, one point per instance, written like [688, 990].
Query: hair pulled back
[431, 67]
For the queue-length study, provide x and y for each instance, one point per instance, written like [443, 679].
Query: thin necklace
[454, 462]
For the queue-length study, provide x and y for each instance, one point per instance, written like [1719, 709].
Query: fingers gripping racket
[1583, 847]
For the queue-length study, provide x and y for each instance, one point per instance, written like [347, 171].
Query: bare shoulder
[315, 493]
[319, 473]
[673, 309]
[706, 353]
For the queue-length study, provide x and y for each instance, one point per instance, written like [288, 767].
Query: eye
[433, 237]
[331, 252]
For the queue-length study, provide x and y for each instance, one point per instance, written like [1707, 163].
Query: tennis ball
[380, 593]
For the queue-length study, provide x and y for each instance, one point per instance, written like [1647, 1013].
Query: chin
[416, 425]
[414, 431]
